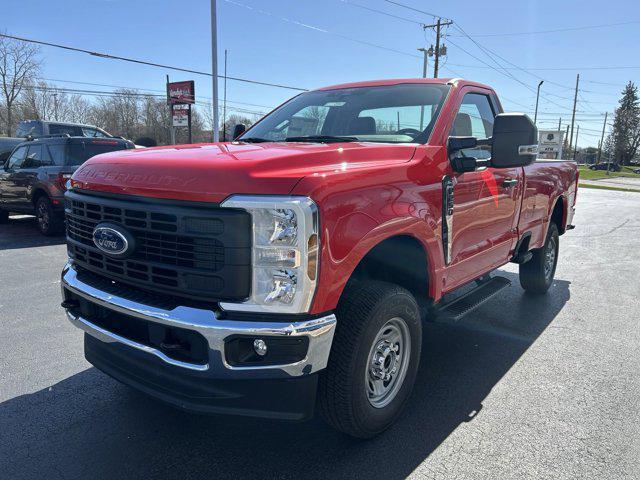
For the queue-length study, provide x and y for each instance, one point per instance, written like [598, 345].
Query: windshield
[80, 152]
[392, 114]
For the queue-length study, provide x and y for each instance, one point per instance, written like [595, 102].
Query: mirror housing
[514, 141]
[238, 130]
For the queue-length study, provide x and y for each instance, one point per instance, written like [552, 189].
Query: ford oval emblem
[112, 239]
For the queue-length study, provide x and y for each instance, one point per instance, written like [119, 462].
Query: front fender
[353, 224]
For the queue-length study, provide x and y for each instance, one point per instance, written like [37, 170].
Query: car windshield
[80, 152]
[391, 114]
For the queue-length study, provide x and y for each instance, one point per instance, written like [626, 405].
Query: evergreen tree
[625, 137]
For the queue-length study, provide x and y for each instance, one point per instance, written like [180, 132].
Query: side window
[15, 160]
[474, 119]
[34, 157]
[57, 129]
[92, 132]
[57, 153]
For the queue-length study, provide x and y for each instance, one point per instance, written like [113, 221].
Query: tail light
[62, 180]
[575, 194]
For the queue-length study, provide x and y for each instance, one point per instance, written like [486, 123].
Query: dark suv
[33, 178]
[38, 128]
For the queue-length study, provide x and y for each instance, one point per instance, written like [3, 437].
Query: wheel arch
[401, 259]
[37, 194]
[558, 214]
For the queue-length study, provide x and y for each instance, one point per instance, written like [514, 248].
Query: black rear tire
[536, 276]
[49, 221]
[4, 217]
[353, 396]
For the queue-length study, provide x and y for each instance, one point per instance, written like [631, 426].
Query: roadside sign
[181, 92]
[180, 115]
[550, 144]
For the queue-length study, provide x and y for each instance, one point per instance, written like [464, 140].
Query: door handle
[510, 182]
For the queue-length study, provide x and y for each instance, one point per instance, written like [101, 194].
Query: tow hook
[69, 304]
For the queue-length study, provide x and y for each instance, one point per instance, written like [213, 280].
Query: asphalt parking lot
[528, 387]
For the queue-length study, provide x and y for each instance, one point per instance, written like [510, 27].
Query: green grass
[606, 187]
[586, 174]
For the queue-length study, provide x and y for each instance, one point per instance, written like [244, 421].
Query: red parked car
[284, 271]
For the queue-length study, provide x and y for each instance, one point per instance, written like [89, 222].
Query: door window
[34, 157]
[475, 118]
[57, 152]
[16, 158]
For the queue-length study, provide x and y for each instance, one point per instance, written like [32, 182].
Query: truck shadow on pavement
[89, 426]
[22, 232]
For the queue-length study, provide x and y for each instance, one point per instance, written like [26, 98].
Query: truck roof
[397, 81]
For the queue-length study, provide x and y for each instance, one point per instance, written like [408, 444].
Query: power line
[161, 93]
[380, 11]
[416, 10]
[112, 94]
[568, 29]
[321, 30]
[144, 62]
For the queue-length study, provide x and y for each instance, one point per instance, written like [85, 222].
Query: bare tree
[42, 101]
[19, 65]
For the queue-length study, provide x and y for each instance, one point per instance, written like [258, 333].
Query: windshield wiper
[321, 139]
[253, 140]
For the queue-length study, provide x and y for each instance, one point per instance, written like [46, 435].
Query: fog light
[260, 347]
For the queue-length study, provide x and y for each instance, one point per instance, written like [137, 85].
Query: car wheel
[49, 222]
[374, 359]
[536, 276]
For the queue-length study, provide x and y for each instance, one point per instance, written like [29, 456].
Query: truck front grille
[194, 250]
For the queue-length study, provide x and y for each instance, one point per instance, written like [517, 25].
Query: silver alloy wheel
[388, 362]
[550, 258]
[43, 217]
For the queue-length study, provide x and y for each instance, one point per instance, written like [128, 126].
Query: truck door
[485, 202]
[8, 177]
[26, 176]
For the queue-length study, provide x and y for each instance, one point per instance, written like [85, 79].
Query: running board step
[456, 309]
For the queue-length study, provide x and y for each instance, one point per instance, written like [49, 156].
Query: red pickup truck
[293, 267]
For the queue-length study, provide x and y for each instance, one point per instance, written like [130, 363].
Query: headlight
[285, 253]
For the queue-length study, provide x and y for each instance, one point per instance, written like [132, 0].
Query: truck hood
[212, 172]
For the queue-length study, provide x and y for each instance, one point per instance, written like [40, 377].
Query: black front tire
[4, 217]
[347, 398]
[49, 221]
[536, 276]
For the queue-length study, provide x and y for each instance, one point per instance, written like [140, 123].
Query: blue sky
[313, 43]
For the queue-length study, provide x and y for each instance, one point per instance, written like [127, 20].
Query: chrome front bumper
[213, 328]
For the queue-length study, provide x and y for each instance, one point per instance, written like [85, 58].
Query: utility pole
[576, 147]
[172, 130]
[224, 102]
[426, 54]
[604, 125]
[535, 116]
[573, 115]
[566, 139]
[438, 26]
[560, 124]
[214, 71]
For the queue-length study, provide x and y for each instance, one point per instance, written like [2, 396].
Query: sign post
[181, 95]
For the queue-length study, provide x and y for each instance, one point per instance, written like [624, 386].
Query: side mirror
[514, 141]
[238, 130]
[464, 164]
